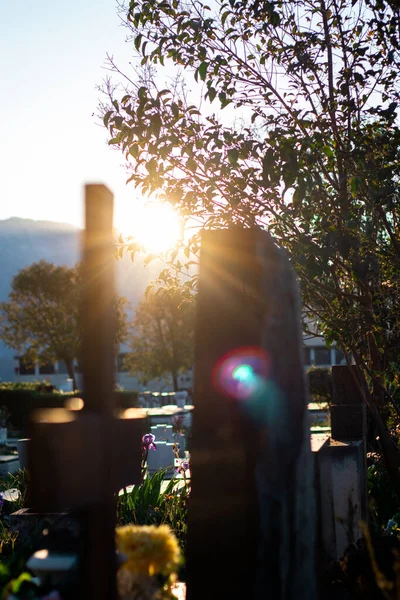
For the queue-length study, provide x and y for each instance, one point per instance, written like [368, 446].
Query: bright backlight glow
[156, 226]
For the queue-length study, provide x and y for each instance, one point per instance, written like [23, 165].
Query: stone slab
[342, 496]
[8, 464]
[26, 522]
[344, 388]
[348, 422]
[44, 561]
[318, 440]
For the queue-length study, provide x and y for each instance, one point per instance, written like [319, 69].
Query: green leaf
[358, 78]
[355, 185]
[149, 258]
[149, 288]
[151, 165]
[4, 572]
[212, 92]
[107, 116]
[328, 151]
[191, 165]
[17, 583]
[223, 99]
[138, 41]
[275, 19]
[267, 164]
[233, 156]
[175, 109]
[298, 195]
[134, 151]
[203, 70]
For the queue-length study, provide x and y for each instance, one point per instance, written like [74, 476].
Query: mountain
[24, 241]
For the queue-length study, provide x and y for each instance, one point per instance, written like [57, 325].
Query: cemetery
[107, 498]
[199, 352]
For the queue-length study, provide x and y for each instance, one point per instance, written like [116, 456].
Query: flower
[148, 442]
[183, 467]
[150, 550]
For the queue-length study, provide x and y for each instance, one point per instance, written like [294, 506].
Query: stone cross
[78, 461]
[251, 510]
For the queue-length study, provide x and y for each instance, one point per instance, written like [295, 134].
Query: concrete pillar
[341, 472]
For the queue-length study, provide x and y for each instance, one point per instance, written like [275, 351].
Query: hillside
[24, 241]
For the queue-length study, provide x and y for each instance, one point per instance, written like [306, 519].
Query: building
[13, 369]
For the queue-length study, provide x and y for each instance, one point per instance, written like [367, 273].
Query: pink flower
[148, 442]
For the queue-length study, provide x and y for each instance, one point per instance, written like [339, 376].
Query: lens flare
[241, 373]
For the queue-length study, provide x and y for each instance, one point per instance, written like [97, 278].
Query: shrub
[146, 504]
[22, 399]
[320, 383]
[355, 576]
[382, 500]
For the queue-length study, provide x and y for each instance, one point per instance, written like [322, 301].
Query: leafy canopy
[41, 318]
[286, 119]
[162, 339]
[314, 159]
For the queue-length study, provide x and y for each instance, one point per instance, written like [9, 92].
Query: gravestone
[341, 471]
[348, 411]
[251, 513]
[79, 460]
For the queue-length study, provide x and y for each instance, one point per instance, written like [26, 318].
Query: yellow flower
[150, 550]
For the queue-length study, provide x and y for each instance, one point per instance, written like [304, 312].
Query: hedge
[21, 400]
[320, 383]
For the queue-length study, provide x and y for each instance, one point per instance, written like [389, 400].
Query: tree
[41, 318]
[162, 340]
[315, 160]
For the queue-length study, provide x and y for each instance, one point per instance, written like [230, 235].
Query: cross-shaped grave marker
[78, 461]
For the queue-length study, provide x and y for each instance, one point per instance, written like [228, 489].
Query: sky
[52, 57]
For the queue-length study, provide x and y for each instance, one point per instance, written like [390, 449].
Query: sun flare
[156, 226]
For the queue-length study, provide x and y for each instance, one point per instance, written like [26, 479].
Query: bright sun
[155, 225]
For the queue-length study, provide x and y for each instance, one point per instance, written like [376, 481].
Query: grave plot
[257, 479]
[78, 461]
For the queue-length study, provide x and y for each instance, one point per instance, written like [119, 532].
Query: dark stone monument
[348, 411]
[251, 513]
[341, 471]
[79, 460]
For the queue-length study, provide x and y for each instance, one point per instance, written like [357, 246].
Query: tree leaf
[107, 116]
[233, 156]
[203, 70]
[149, 258]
